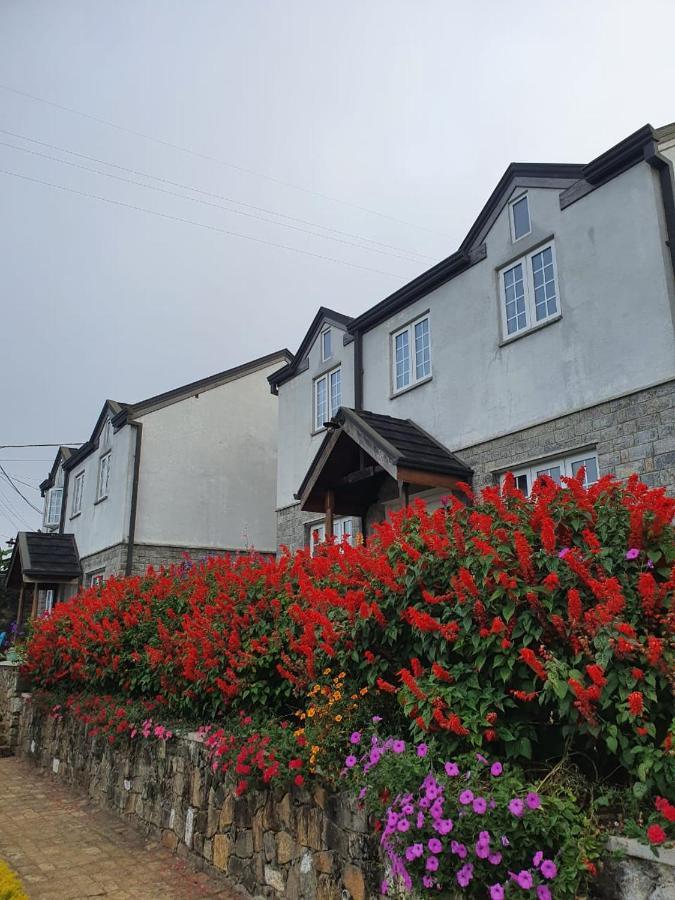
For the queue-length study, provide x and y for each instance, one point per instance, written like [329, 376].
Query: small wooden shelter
[41, 566]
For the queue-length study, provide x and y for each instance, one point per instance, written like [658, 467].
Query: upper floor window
[105, 441]
[326, 344]
[78, 487]
[519, 214]
[411, 354]
[103, 475]
[327, 397]
[568, 466]
[53, 506]
[342, 531]
[529, 292]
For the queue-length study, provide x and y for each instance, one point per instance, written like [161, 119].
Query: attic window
[326, 345]
[519, 213]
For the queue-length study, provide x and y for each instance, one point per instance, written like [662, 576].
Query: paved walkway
[64, 848]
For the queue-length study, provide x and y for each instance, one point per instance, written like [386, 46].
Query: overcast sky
[365, 134]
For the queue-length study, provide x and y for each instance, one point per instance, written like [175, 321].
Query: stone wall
[291, 526]
[288, 843]
[11, 686]
[635, 433]
[114, 559]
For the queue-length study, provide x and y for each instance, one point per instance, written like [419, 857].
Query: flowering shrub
[108, 716]
[10, 886]
[475, 828]
[533, 628]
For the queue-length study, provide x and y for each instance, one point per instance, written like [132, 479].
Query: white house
[544, 343]
[191, 471]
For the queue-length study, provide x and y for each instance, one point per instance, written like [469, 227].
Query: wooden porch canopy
[41, 559]
[361, 451]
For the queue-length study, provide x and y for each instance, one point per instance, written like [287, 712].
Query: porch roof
[44, 556]
[362, 448]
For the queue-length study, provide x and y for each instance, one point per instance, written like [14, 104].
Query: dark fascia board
[471, 250]
[110, 407]
[175, 395]
[324, 315]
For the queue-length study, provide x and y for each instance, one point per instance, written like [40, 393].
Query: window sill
[410, 387]
[75, 515]
[521, 334]
[100, 500]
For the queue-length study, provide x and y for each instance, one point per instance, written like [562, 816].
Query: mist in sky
[182, 184]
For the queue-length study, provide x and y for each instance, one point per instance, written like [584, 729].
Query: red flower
[635, 703]
[299, 780]
[656, 834]
[295, 764]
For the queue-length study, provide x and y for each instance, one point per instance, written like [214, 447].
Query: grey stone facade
[633, 433]
[110, 561]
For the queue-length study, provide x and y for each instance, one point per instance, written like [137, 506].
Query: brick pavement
[64, 848]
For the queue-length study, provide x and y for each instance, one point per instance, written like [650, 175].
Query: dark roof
[396, 443]
[63, 453]
[323, 316]
[572, 179]
[110, 408]
[46, 556]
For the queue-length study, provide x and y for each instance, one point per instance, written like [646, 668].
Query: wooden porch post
[19, 611]
[404, 492]
[35, 601]
[330, 503]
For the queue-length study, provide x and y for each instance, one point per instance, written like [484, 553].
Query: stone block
[310, 827]
[227, 812]
[269, 847]
[222, 851]
[354, 882]
[275, 879]
[169, 840]
[243, 845]
[324, 861]
[286, 848]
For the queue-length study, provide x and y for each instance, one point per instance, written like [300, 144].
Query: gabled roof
[41, 556]
[297, 361]
[572, 180]
[62, 454]
[110, 409]
[397, 447]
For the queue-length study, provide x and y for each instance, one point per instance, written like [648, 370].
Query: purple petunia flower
[434, 845]
[496, 770]
[549, 869]
[523, 879]
[458, 849]
[422, 750]
[420, 820]
[466, 797]
[443, 826]
[533, 800]
[505, 841]
[465, 875]
[516, 807]
[363, 792]
[479, 805]
[496, 892]
[544, 893]
[633, 553]
[402, 825]
[432, 864]
[482, 850]
[563, 553]
[427, 881]
[350, 762]
[377, 719]
[398, 746]
[384, 887]
[537, 858]
[481, 758]
[495, 858]
[650, 564]
[355, 738]
[451, 769]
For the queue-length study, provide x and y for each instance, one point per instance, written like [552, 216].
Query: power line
[162, 215]
[213, 159]
[23, 497]
[236, 212]
[26, 459]
[64, 444]
[15, 517]
[25, 483]
[196, 190]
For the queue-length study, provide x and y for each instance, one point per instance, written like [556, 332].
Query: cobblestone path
[64, 848]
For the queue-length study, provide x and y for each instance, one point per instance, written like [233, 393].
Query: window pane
[514, 294]
[521, 218]
[590, 464]
[552, 472]
[422, 350]
[335, 391]
[543, 277]
[521, 484]
[317, 536]
[402, 359]
[326, 348]
[321, 403]
[54, 506]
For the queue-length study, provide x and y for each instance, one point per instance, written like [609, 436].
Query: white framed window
[411, 354]
[343, 530]
[529, 291]
[519, 216]
[103, 475]
[326, 344]
[96, 578]
[45, 601]
[567, 466]
[327, 397]
[105, 441]
[78, 487]
[53, 506]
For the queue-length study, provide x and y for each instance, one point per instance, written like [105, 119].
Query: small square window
[520, 218]
[326, 344]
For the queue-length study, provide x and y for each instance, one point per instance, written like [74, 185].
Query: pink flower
[496, 892]
[533, 800]
[422, 750]
[563, 553]
[496, 770]
[451, 769]
[516, 807]
[523, 879]
[495, 858]
[350, 762]
[432, 864]
[536, 861]
[544, 893]
[435, 845]
[479, 805]
[549, 869]
[633, 553]
[398, 746]
[355, 738]
[466, 797]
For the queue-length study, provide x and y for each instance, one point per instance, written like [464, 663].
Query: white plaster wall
[615, 335]
[298, 442]
[208, 468]
[105, 523]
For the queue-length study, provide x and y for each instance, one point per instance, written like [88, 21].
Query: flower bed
[535, 631]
